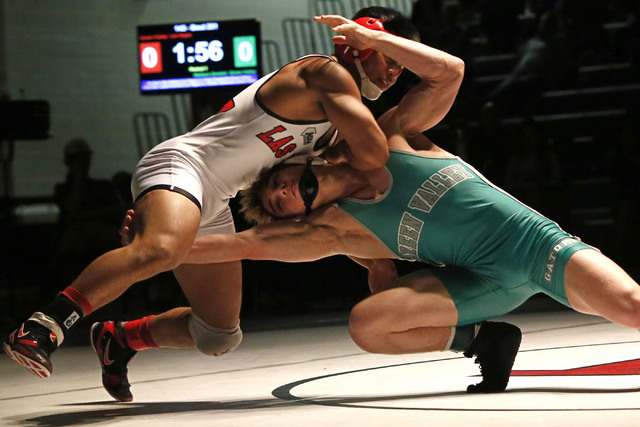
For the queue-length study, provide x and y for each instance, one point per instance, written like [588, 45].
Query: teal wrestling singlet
[443, 212]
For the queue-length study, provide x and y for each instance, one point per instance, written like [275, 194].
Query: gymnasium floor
[568, 372]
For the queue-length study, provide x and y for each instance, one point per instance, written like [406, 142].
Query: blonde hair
[251, 206]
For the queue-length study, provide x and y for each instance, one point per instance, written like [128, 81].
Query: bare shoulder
[325, 76]
[295, 92]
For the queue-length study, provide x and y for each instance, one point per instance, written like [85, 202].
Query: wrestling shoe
[107, 339]
[495, 349]
[31, 345]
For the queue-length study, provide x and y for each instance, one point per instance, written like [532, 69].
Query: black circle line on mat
[284, 392]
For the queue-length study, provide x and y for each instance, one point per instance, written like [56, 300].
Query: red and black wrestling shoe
[495, 348]
[33, 342]
[107, 339]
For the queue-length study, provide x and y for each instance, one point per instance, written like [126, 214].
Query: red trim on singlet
[228, 106]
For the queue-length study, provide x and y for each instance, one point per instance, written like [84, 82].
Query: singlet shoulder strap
[311, 55]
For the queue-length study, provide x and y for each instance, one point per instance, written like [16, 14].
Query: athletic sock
[137, 334]
[462, 337]
[67, 308]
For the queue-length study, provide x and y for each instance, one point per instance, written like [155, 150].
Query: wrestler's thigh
[214, 291]
[165, 217]
[597, 285]
[477, 298]
[428, 302]
[423, 281]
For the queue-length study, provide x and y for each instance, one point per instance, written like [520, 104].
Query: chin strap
[368, 89]
[308, 186]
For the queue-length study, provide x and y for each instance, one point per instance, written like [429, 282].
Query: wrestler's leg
[169, 329]
[214, 292]
[414, 316]
[165, 227]
[596, 285]
[420, 315]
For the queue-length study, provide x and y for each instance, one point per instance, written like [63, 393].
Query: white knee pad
[213, 341]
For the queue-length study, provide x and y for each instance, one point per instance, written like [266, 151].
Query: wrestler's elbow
[382, 155]
[456, 68]
[374, 159]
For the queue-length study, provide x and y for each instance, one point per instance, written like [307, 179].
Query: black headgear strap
[308, 186]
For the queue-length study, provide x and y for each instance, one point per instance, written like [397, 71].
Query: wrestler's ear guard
[346, 52]
[308, 186]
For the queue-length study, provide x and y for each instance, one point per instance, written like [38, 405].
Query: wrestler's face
[281, 196]
[382, 70]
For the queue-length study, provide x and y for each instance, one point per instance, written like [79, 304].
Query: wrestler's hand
[382, 272]
[126, 234]
[382, 275]
[353, 34]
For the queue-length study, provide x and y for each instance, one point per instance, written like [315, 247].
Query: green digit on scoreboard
[245, 52]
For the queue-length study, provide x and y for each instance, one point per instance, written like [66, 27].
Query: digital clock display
[196, 55]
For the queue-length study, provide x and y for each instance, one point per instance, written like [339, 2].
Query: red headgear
[346, 52]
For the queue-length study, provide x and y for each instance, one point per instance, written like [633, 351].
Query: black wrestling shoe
[495, 348]
[107, 339]
[31, 345]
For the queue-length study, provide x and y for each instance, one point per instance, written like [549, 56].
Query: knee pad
[213, 341]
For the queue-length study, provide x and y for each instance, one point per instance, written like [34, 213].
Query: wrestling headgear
[347, 52]
[368, 89]
[308, 186]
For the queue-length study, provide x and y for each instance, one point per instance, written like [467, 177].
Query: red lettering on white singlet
[278, 146]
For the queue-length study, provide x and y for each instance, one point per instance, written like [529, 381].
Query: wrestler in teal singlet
[497, 251]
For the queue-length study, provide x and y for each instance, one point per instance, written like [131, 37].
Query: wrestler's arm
[440, 73]
[287, 241]
[326, 232]
[365, 146]
[426, 104]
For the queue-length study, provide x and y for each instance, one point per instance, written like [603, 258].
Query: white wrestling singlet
[225, 154]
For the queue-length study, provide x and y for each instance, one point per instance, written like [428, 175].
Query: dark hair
[394, 22]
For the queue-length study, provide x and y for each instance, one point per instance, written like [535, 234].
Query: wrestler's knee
[371, 321]
[362, 327]
[213, 341]
[629, 312]
[158, 254]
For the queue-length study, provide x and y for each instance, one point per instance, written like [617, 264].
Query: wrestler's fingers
[331, 20]
[344, 28]
[339, 39]
[337, 24]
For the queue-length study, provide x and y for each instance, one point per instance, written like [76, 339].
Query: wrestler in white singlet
[226, 152]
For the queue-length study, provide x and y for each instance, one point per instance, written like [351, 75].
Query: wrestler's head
[377, 72]
[285, 191]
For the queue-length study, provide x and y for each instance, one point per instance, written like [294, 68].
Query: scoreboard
[196, 55]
